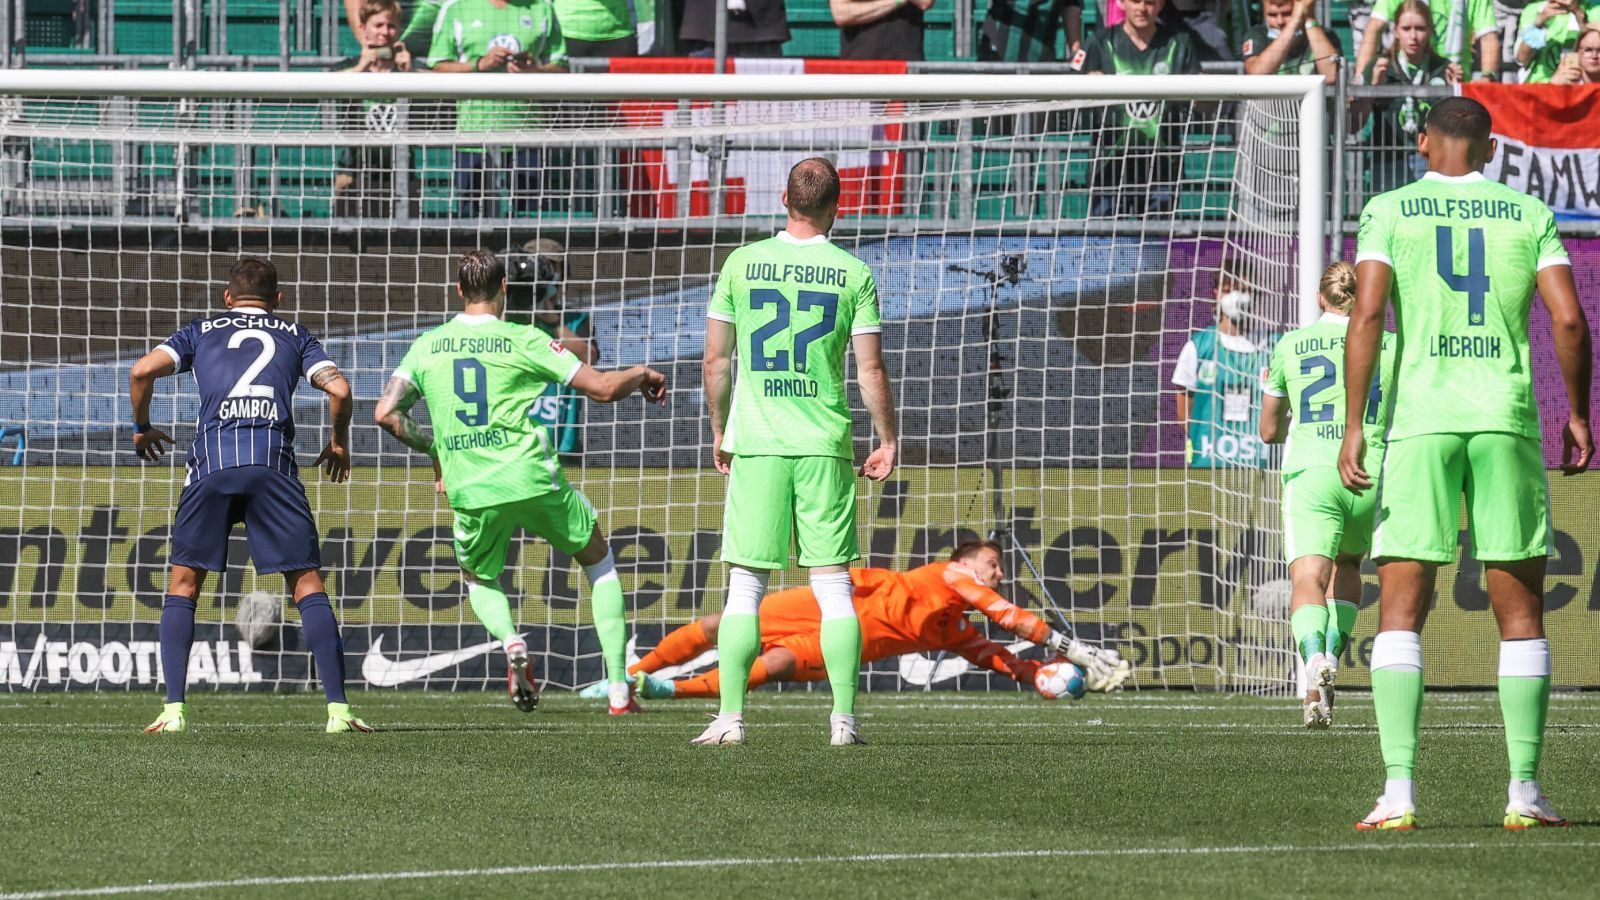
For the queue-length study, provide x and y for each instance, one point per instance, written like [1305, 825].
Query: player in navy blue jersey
[247, 363]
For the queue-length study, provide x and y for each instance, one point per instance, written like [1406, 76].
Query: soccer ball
[1059, 679]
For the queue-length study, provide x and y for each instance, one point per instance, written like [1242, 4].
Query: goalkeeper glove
[1104, 670]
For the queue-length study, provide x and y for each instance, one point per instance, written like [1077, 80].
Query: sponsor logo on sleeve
[1078, 58]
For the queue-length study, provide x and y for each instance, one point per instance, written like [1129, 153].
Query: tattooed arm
[394, 416]
[335, 458]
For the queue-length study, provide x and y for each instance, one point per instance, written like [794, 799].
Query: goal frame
[1307, 90]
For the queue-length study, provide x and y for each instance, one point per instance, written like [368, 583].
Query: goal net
[1045, 248]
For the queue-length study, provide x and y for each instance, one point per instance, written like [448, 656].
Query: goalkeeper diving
[920, 611]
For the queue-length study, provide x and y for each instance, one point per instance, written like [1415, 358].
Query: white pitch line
[745, 862]
[1091, 725]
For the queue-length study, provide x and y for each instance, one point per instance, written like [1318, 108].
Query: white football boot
[843, 731]
[1317, 708]
[1522, 813]
[724, 730]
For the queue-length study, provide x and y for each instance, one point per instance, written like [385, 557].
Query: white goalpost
[1044, 247]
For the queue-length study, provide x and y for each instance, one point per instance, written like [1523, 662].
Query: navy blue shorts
[276, 516]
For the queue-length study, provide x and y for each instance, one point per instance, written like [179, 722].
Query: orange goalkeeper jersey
[918, 611]
[926, 609]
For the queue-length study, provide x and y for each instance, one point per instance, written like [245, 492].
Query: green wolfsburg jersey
[794, 304]
[479, 375]
[594, 20]
[1308, 370]
[1465, 253]
[467, 29]
[1169, 52]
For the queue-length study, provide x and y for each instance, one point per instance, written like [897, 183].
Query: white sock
[842, 719]
[745, 589]
[835, 594]
[1400, 793]
[1523, 792]
[730, 717]
[617, 692]
[1525, 659]
[1398, 650]
[515, 646]
[605, 568]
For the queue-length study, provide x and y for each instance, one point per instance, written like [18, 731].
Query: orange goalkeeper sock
[678, 646]
[710, 684]
[707, 685]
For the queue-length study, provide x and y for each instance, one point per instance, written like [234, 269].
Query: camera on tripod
[533, 285]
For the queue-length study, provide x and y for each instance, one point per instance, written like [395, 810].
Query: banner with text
[1143, 559]
[1549, 142]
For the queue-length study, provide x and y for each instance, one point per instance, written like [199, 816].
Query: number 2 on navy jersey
[246, 385]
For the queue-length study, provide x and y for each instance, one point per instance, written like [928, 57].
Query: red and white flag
[870, 169]
[1549, 138]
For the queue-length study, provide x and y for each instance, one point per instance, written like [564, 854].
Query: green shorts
[1419, 498]
[771, 497]
[1321, 517]
[564, 517]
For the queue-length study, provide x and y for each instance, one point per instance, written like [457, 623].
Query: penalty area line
[747, 862]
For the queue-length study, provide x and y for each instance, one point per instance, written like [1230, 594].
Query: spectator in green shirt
[1548, 30]
[597, 27]
[1410, 60]
[516, 36]
[1140, 148]
[1290, 41]
[1582, 66]
[1458, 27]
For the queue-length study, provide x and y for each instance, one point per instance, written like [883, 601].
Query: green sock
[1307, 624]
[490, 605]
[738, 644]
[841, 654]
[1524, 704]
[1343, 613]
[610, 622]
[1397, 698]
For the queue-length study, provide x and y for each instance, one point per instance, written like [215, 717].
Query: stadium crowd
[1392, 41]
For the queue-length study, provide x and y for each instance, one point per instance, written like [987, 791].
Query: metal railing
[1369, 152]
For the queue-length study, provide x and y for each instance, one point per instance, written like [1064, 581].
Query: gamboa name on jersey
[249, 408]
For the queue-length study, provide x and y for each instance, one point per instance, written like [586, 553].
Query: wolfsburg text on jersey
[807, 275]
[1452, 208]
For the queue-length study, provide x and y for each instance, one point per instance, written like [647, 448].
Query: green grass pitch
[1151, 794]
